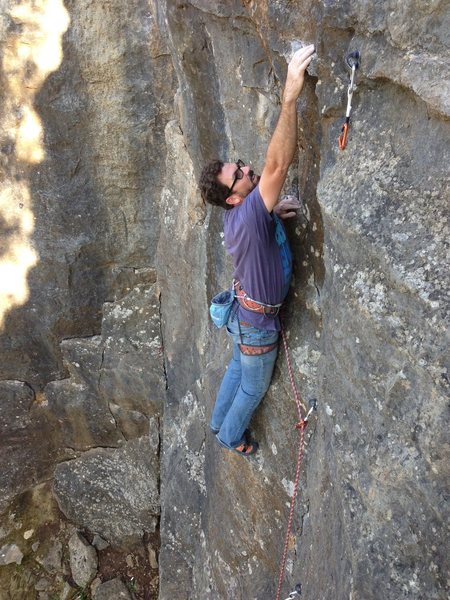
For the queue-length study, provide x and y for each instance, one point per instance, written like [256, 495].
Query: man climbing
[256, 240]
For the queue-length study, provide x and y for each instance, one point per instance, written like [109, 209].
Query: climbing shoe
[247, 449]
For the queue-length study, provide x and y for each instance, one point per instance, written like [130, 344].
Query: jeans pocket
[259, 337]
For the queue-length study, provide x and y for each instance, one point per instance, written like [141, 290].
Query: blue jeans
[244, 384]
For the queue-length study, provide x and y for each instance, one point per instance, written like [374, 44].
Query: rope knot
[302, 424]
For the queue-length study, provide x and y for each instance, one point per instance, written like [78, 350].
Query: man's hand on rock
[286, 207]
[296, 73]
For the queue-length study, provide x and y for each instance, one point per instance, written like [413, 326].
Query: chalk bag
[221, 307]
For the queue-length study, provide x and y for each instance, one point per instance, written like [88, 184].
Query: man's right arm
[282, 146]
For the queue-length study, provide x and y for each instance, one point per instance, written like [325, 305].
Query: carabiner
[343, 136]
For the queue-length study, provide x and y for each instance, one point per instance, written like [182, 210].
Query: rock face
[84, 205]
[109, 363]
[366, 312]
[86, 93]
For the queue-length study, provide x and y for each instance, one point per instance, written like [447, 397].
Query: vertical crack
[163, 352]
[100, 370]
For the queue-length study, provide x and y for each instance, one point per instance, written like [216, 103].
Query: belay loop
[352, 61]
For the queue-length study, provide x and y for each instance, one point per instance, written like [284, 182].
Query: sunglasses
[238, 174]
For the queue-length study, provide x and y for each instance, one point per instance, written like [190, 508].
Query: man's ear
[234, 199]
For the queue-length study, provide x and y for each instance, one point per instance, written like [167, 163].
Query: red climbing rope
[301, 408]
[300, 426]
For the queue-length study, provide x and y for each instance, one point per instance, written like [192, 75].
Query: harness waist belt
[270, 310]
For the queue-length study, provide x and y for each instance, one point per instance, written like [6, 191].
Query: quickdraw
[352, 61]
[304, 422]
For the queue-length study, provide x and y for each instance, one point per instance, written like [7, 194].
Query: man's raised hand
[296, 73]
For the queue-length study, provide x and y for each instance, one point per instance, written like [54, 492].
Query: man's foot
[247, 448]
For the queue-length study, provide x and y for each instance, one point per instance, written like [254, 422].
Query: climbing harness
[300, 426]
[352, 61]
[269, 310]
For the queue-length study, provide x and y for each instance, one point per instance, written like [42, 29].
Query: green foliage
[82, 594]
[131, 585]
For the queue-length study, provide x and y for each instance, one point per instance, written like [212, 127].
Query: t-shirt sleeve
[256, 216]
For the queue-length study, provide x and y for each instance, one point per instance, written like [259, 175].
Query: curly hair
[213, 191]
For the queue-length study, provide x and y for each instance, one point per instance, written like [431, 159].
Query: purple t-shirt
[250, 238]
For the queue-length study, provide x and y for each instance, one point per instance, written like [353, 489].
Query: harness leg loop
[256, 350]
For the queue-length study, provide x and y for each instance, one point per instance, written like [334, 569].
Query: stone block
[112, 492]
[114, 589]
[10, 553]
[83, 560]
